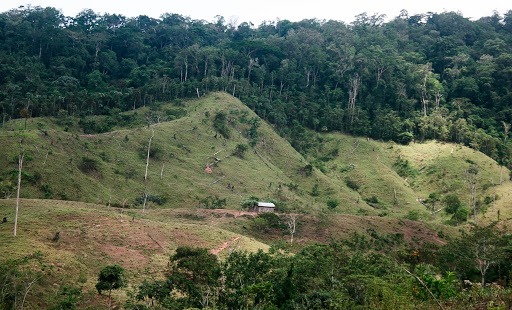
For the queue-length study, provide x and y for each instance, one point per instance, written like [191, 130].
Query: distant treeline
[428, 76]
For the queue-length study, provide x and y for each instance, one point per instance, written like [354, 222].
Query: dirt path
[224, 246]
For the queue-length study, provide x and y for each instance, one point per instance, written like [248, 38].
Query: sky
[237, 11]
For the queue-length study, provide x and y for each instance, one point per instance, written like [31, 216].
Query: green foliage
[404, 168]
[89, 165]
[93, 125]
[250, 203]
[252, 133]
[405, 138]
[159, 200]
[413, 215]
[212, 202]
[333, 203]
[307, 170]
[17, 276]
[68, 298]
[315, 191]
[454, 206]
[352, 184]
[110, 278]
[220, 123]
[240, 150]
[155, 152]
[442, 287]
[174, 113]
[194, 273]
[372, 199]
[270, 220]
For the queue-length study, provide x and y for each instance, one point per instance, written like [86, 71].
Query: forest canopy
[429, 76]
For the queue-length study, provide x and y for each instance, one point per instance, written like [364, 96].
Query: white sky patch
[268, 10]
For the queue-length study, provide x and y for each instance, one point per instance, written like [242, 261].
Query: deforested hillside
[214, 152]
[210, 152]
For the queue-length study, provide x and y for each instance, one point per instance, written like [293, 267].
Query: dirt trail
[224, 246]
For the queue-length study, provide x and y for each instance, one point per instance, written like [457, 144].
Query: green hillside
[341, 188]
[356, 175]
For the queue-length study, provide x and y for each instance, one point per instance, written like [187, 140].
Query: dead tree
[506, 129]
[471, 178]
[424, 93]
[20, 166]
[355, 83]
[146, 173]
[291, 222]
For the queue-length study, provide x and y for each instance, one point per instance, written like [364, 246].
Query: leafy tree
[195, 274]
[18, 277]
[110, 278]
[68, 299]
[250, 203]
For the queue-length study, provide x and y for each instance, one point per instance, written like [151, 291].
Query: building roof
[266, 204]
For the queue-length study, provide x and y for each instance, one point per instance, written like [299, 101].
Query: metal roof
[266, 204]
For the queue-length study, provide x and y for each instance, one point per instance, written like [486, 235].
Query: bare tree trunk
[27, 290]
[352, 96]
[471, 177]
[20, 166]
[149, 150]
[424, 95]
[146, 173]
[291, 221]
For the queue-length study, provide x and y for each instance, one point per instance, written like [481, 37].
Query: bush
[460, 216]
[403, 168]
[333, 203]
[272, 220]
[212, 202]
[452, 203]
[220, 123]
[240, 150]
[315, 191]
[250, 202]
[352, 184]
[372, 199]
[159, 200]
[88, 165]
[413, 215]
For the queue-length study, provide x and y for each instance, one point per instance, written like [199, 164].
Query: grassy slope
[271, 170]
[183, 148]
[435, 168]
[92, 236]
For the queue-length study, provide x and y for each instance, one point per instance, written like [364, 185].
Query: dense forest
[430, 76]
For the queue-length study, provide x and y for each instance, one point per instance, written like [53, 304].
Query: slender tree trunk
[109, 299]
[146, 173]
[20, 166]
[147, 157]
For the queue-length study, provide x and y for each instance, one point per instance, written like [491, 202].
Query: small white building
[265, 207]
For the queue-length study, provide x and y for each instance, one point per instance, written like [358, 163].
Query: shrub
[212, 202]
[404, 168]
[372, 199]
[88, 165]
[413, 215]
[352, 184]
[159, 200]
[332, 203]
[240, 150]
[315, 191]
[220, 123]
